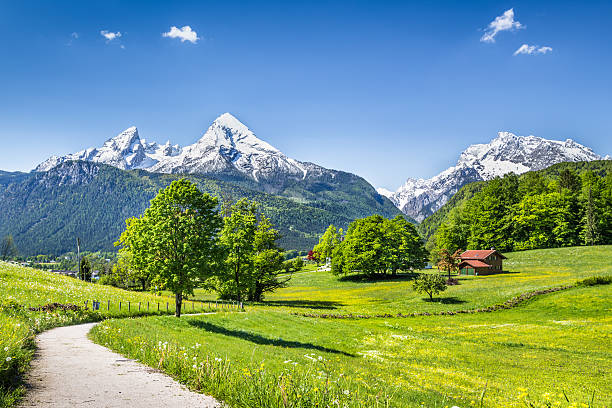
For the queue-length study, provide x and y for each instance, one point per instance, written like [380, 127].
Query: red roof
[475, 263]
[480, 254]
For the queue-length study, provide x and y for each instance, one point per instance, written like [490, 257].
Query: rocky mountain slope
[419, 198]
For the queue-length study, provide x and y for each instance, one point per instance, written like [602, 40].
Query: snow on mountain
[228, 146]
[125, 151]
[507, 153]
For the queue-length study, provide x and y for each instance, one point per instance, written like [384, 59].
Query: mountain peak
[124, 140]
[230, 121]
[507, 153]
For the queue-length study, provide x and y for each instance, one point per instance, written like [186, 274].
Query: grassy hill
[45, 212]
[552, 346]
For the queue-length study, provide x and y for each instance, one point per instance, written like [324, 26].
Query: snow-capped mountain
[507, 153]
[125, 151]
[227, 147]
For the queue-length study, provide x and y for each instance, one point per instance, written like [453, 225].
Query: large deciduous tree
[175, 241]
[375, 245]
[328, 241]
[253, 261]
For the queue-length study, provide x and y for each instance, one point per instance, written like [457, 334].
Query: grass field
[21, 288]
[550, 349]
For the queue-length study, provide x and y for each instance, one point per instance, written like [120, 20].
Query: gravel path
[69, 370]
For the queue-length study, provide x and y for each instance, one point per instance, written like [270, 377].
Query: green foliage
[328, 241]
[566, 205]
[253, 261]
[175, 240]
[595, 280]
[85, 269]
[430, 283]
[375, 245]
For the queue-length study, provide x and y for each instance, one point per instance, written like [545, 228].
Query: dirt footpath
[69, 370]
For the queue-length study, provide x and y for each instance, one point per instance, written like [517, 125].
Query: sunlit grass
[550, 348]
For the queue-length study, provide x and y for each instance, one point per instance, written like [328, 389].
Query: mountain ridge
[420, 198]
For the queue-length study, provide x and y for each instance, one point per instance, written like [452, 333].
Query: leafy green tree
[268, 261]
[126, 272]
[328, 241]
[376, 245]
[175, 241]
[405, 248]
[85, 269]
[237, 239]
[363, 248]
[568, 179]
[432, 284]
[8, 249]
[298, 264]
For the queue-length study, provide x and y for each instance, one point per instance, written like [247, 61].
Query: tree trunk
[237, 277]
[143, 282]
[179, 304]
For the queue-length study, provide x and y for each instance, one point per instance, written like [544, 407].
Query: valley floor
[553, 350]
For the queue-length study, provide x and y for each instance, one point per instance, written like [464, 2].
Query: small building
[481, 262]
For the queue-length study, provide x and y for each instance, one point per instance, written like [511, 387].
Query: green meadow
[552, 350]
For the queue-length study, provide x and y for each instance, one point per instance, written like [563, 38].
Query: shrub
[595, 280]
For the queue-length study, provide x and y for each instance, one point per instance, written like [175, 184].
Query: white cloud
[185, 33]
[532, 50]
[504, 22]
[74, 35]
[109, 35]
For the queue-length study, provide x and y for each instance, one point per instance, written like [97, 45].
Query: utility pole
[79, 256]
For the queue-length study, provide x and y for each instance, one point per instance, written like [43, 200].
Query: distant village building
[481, 262]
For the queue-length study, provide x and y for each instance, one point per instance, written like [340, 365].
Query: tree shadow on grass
[259, 339]
[379, 278]
[306, 304]
[446, 300]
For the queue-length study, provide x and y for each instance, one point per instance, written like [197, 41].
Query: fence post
[192, 306]
[139, 306]
[158, 306]
[119, 305]
[147, 306]
[166, 306]
[108, 305]
[129, 305]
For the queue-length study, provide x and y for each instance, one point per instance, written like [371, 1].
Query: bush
[595, 280]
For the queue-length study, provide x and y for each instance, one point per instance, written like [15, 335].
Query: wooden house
[481, 262]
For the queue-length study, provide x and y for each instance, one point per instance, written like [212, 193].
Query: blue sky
[387, 90]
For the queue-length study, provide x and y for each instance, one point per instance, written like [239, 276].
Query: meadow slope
[552, 350]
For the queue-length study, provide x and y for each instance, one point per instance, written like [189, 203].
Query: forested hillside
[45, 212]
[564, 205]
